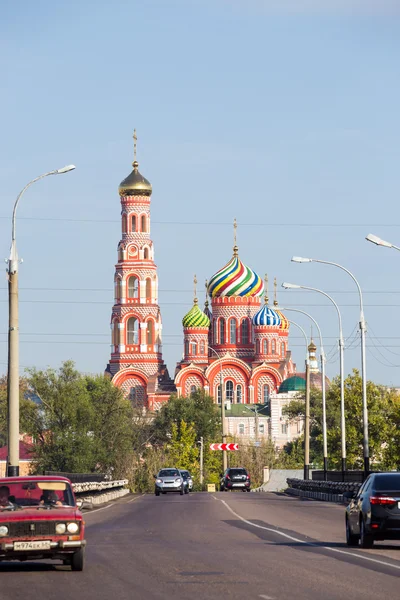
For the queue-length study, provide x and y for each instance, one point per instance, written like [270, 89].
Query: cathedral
[236, 348]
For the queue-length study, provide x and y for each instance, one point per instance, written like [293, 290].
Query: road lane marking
[110, 505]
[290, 537]
[266, 597]
[137, 498]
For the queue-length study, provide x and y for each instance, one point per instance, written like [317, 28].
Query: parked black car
[374, 511]
[235, 478]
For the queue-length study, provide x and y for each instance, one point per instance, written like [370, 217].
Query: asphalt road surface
[206, 546]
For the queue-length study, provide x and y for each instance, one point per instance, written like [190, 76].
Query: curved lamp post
[13, 338]
[323, 386]
[363, 330]
[376, 240]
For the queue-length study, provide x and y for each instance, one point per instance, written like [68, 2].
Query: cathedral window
[133, 223]
[232, 331]
[265, 346]
[283, 349]
[266, 394]
[132, 331]
[258, 347]
[239, 394]
[245, 331]
[115, 334]
[133, 287]
[132, 393]
[150, 332]
[193, 348]
[215, 331]
[123, 223]
[222, 331]
[229, 391]
[186, 347]
[202, 347]
[148, 289]
[273, 347]
[118, 290]
[143, 223]
[146, 254]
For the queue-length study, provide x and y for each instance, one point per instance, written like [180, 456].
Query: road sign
[224, 446]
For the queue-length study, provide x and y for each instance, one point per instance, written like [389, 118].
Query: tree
[27, 407]
[382, 405]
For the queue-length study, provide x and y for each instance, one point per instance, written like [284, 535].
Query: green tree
[182, 449]
[381, 403]
[27, 408]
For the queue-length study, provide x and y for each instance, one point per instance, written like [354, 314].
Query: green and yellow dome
[196, 318]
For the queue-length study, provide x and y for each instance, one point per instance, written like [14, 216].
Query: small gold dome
[135, 184]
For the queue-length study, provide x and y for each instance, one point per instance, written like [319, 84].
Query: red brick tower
[136, 363]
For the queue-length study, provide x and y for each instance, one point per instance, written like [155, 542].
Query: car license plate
[237, 484]
[37, 545]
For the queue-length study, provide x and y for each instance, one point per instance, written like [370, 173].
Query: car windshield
[390, 483]
[35, 493]
[237, 472]
[169, 473]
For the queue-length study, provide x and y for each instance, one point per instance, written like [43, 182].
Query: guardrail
[99, 492]
[328, 491]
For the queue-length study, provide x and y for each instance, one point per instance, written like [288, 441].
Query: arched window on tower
[186, 347]
[133, 223]
[146, 254]
[232, 331]
[148, 289]
[202, 347]
[283, 349]
[229, 391]
[258, 347]
[222, 331]
[266, 394]
[118, 289]
[265, 346]
[193, 348]
[115, 334]
[132, 331]
[245, 331]
[143, 223]
[133, 287]
[123, 223]
[273, 347]
[214, 331]
[239, 394]
[150, 332]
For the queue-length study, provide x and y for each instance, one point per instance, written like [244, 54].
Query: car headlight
[73, 527]
[61, 528]
[159, 480]
[178, 480]
[3, 531]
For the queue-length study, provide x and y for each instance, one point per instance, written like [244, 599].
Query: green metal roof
[292, 384]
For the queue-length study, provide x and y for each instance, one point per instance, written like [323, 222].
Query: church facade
[235, 348]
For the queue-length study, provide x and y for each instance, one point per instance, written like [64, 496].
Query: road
[206, 546]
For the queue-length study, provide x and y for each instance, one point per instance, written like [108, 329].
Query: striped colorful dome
[195, 318]
[235, 279]
[284, 321]
[267, 316]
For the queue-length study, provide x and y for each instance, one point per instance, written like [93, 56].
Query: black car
[374, 511]
[235, 478]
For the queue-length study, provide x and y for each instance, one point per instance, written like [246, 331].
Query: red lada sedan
[39, 519]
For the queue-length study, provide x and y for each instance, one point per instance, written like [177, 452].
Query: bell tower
[136, 363]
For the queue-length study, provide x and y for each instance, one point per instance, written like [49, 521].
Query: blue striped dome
[267, 316]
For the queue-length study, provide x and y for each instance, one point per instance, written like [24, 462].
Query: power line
[187, 304]
[111, 291]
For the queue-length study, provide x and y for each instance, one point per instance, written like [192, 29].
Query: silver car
[169, 480]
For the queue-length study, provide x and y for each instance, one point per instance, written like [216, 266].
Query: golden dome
[135, 184]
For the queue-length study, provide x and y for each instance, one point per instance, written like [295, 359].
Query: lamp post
[307, 409]
[376, 240]
[224, 455]
[363, 330]
[323, 386]
[13, 338]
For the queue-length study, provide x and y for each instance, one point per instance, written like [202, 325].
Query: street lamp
[323, 362]
[376, 240]
[307, 408]
[363, 330]
[13, 338]
[224, 455]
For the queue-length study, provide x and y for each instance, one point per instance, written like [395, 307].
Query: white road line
[137, 498]
[266, 597]
[98, 509]
[290, 537]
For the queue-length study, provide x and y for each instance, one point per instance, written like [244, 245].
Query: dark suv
[235, 478]
[374, 511]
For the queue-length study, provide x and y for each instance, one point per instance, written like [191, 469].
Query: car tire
[157, 493]
[186, 491]
[78, 560]
[243, 489]
[248, 489]
[181, 491]
[351, 539]
[366, 539]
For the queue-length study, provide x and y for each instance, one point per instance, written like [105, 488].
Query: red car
[39, 519]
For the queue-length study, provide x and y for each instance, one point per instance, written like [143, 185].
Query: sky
[281, 114]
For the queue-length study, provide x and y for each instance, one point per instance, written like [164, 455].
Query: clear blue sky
[283, 114]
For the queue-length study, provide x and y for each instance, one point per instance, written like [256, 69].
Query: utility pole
[307, 425]
[201, 462]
